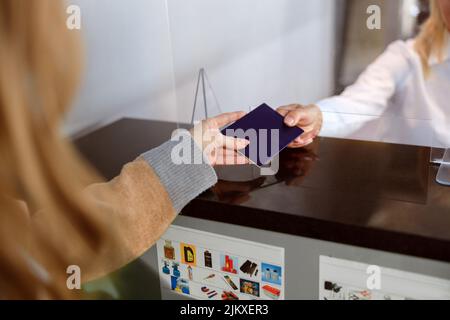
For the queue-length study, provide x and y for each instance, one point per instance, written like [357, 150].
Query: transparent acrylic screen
[235, 55]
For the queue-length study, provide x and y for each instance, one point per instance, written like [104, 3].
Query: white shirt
[392, 101]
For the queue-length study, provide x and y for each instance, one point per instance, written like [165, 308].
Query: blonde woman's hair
[433, 37]
[40, 172]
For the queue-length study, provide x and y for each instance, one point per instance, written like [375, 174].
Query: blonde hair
[39, 170]
[433, 37]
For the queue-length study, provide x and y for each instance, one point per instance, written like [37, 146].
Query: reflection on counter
[235, 184]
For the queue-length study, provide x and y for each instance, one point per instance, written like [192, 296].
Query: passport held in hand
[260, 127]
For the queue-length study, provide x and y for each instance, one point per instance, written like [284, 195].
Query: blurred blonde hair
[39, 71]
[433, 37]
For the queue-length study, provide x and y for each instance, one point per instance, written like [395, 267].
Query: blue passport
[267, 124]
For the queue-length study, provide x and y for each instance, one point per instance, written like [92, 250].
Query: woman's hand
[217, 148]
[309, 118]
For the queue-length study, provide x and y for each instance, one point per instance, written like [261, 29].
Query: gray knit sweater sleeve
[183, 182]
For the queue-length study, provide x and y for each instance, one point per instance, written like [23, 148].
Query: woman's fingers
[230, 157]
[300, 143]
[304, 140]
[309, 118]
[232, 143]
[298, 117]
[295, 145]
[226, 118]
[291, 114]
[302, 116]
[207, 135]
[306, 136]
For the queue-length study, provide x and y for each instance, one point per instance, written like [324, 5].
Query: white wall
[143, 60]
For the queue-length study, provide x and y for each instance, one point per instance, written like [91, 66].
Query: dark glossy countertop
[375, 195]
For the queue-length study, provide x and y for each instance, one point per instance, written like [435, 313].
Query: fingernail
[298, 140]
[308, 141]
[289, 121]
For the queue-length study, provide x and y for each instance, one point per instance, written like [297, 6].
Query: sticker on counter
[271, 273]
[349, 280]
[228, 263]
[188, 254]
[209, 266]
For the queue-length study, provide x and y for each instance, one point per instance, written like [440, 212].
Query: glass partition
[283, 52]
[443, 176]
